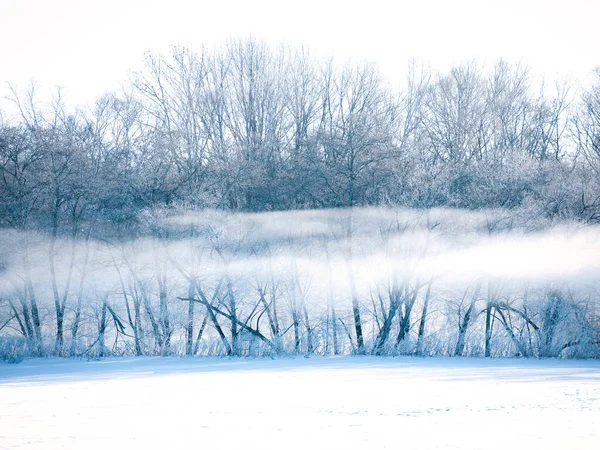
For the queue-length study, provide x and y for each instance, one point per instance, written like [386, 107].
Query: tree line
[382, 281]
[252, 128]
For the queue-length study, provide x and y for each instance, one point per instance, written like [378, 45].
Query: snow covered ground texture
[316, 403]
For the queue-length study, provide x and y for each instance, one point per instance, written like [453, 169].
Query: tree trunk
[360, 345]
[77, 318]
[235, 350]
[336, 347]
[158, 341]
[35, 316]
[488, 328]
[404, 314]
[551, 317]
[189, 329]
[165, 325]
[296, 323]
[102, 331]
[384, 332]
[464, 324]
[520, 350]
[309, 331]
[421, 335]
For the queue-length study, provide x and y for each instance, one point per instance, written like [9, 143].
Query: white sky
[90, 47]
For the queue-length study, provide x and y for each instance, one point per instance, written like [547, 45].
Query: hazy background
[90, 48]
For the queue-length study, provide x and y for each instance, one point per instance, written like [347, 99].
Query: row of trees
[376, 281]
[253, 128]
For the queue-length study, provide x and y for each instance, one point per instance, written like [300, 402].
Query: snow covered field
[320, 402]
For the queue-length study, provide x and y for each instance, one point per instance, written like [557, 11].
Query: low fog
[363, 280]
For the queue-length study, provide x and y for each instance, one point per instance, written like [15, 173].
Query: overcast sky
[90, 47]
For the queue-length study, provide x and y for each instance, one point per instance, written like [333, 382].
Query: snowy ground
[334, 403]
